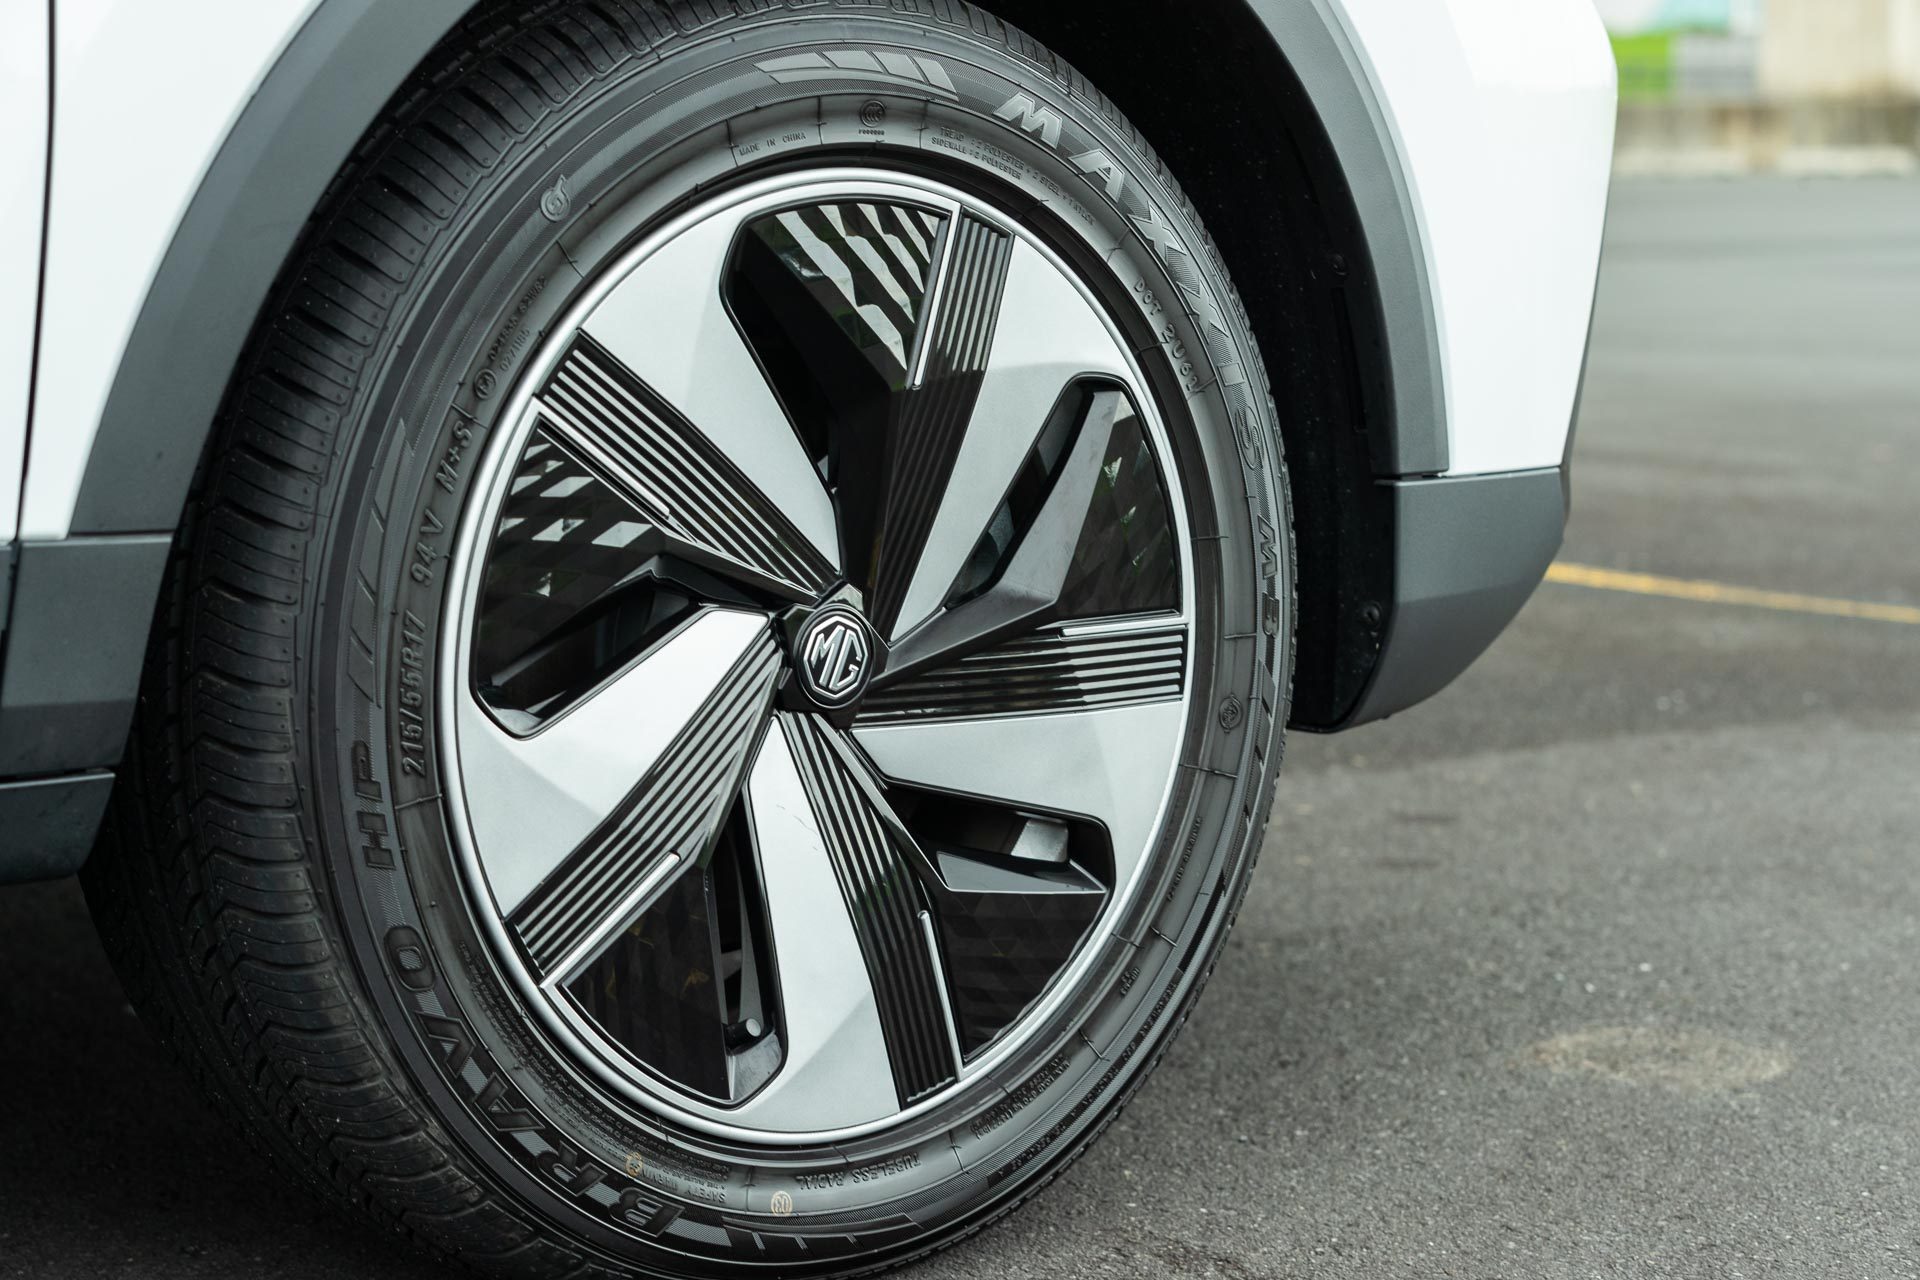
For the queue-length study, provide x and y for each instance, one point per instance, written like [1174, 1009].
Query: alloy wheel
[822, 656]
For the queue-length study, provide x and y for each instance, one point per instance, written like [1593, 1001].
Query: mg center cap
[833, 655]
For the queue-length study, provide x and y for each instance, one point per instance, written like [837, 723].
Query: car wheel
[721, 683]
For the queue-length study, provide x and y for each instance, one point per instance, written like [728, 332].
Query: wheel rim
[822, 657]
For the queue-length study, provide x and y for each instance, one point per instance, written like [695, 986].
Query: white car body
[103, 247]
[1501, 111]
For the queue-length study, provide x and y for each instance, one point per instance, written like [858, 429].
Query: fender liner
[1314, 39]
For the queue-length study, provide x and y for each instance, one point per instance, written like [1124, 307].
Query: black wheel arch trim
[50, 824]
[1313, 39]
[82, 608]
[1313, 216]
[81, 611]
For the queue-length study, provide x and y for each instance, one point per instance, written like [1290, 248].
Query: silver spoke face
[579, 770]
[669, 822]
[823, 661]
[839, 1069]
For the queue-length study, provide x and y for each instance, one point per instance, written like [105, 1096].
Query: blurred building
[1795, 86]
[1776, 50]
[1840, 49]
[1685, 48]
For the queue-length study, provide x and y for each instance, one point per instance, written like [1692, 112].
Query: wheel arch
[1324, 247]
[315, 105]
[1276, 137]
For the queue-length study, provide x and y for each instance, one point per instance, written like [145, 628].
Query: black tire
[277, 887]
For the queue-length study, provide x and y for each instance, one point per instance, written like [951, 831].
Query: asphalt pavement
[1606, 962]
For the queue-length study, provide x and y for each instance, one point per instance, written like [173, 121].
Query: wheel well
[1221, 104]
[1211, 91]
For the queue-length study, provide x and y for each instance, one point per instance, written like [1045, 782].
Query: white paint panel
[23, 161]
[1503, 112]
[147, 93]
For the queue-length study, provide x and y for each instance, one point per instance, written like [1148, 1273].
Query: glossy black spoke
[874, 323]
[686, 987]
[880, 882]
[668, 823]
[1014, 894]
[832, 300]
[1003, 895]
[572, 593]
[929, 421]
[693, 501]
[1050, 671]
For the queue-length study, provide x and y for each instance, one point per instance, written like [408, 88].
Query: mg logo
[836, 657]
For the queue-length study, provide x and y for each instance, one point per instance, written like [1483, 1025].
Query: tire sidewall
[636, 147]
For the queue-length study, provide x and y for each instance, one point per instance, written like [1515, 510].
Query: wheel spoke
[1014, 893]
[837, 1070]
[667, 324]
[927, 423]
[681, 987]
[1030, 591]
[695, 501]
[572, 593]
[532, 800]
[1049, 336]
[1058, 669]
[860, 848]
[569, 906]
[1108, 764]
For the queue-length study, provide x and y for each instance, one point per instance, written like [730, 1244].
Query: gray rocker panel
[1468, 553]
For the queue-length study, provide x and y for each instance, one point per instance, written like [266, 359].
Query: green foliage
[1646, 64]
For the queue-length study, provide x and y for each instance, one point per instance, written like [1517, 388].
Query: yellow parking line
[1649, 584]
